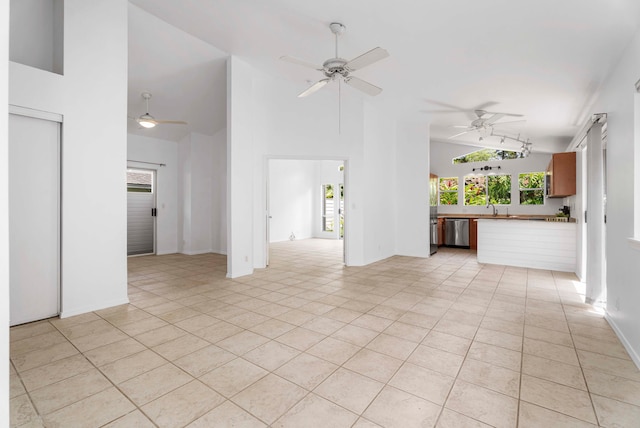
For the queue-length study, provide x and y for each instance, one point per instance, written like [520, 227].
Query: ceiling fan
[338, 68]
[484, 121]
[148, 121]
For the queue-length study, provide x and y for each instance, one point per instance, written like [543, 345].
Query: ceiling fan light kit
[340, 69]
[148, 121]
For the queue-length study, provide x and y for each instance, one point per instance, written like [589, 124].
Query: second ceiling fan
[340, 69]
[485, 120]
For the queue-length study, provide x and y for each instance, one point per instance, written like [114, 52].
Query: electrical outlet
[617, 303]
[246, 258]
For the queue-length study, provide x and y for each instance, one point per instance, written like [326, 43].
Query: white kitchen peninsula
[527, 243]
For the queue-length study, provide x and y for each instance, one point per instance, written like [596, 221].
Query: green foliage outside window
[478, 189]
[475, 190]
[328, 191]
[499, 189]
[531, 188]
[485, 155]
[448, 187]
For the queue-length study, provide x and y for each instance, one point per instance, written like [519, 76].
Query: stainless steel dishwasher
[456, 232]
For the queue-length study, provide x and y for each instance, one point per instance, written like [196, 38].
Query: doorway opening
[141, 211]
[306, 201]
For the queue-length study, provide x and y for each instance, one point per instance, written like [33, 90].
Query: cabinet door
[561, 175]
[473, 234]
[440, 232]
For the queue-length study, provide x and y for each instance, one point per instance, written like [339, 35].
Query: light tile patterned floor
[404, 342]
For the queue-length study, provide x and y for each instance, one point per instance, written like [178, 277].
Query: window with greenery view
[485, 155]
[327, 208]
[499, 189]
[496, 189]
[448, 187]
[531, 188]
[475, 190]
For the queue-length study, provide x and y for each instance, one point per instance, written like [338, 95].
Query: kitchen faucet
[495, 212]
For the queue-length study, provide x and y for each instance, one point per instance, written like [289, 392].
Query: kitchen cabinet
[440, 232]
[473, 234]
[561, 175]
[547, 245]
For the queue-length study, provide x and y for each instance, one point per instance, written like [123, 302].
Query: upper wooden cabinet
[561, 175]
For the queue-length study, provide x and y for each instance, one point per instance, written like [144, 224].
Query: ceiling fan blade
[313, 88]
[441, 111]
[363, 86]
[461, 133]
[504, 114]
[510, 122]
[496, 116]
[470, 128]
[172, 122]
[300, 62]
[368, 58]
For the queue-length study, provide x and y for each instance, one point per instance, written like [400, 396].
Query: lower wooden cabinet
[473, 233]
[440, 232]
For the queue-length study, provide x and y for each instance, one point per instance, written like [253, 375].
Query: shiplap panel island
[527, 243]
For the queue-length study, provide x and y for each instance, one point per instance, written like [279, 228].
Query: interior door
[34, 218]
[141, 211]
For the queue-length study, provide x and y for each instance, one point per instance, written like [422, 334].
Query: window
[487, 155]
[327, 208]
[448, 187]
[481, 189]
[531, 186]
[139, 181]
[499, 189]
[475, 190]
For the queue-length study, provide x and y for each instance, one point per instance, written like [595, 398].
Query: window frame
[456, 191]
[529, 189]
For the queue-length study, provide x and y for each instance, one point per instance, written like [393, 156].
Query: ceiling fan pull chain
[339, 107]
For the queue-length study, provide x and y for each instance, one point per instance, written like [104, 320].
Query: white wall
[201, 180]
[219, 193]
[240, 169]
[307, 128]
[198, 182]
[412, 190]
[267, 120]
[165, 152]
[4, 216]
[442, 165]
[37, 34]
[381, 198]
[291, 198]
[94, 154]
[623, 269]
[295, 197]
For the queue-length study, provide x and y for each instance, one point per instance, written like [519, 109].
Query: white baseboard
[632, 352]
[196, 252]
[91, 308]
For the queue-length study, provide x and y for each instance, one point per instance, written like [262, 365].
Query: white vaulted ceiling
[544, 59]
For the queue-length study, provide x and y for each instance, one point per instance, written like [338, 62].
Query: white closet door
[34, 218]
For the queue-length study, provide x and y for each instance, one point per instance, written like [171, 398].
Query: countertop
[503, 217]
